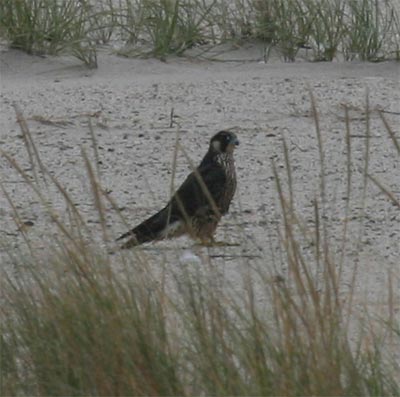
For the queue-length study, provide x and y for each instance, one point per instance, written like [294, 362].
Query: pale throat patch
[216, 145]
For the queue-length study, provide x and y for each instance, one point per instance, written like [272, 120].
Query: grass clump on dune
[76, 323]
[163, 27]
[345, 29]
[367, 30]
[49, 27]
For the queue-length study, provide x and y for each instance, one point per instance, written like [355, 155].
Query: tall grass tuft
[370, 29]
[76, 321]
[353, 29]
[286, 24]
[328, 27]
[49, 27]
[86, 333]
[166, 27]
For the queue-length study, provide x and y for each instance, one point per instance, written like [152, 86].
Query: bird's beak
[235, 142]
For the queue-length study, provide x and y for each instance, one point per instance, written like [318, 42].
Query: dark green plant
[163, 27]
[49, 27]
[369, 30]
[327, 28]
[285, 24]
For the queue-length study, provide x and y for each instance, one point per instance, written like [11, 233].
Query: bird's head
[224, 142]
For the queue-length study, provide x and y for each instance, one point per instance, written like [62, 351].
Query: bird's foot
[225, 244]
[214, 243]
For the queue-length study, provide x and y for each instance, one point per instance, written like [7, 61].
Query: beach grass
[52, 27]
[366, 30]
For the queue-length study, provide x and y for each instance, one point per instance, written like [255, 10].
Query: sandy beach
[129, 104]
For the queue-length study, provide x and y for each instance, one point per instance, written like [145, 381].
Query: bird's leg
[211, 242]
[224, 244]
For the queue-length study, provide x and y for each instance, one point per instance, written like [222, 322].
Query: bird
[197, 206]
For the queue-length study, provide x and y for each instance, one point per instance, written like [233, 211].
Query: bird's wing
[192, 197]
[201, 189]
[150, 229]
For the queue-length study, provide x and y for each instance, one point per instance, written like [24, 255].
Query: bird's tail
[151, 229]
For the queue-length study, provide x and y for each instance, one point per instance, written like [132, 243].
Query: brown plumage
[198, 205]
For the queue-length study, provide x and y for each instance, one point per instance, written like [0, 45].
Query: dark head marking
[224, 141]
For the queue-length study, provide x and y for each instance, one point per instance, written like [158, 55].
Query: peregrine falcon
[198, 205]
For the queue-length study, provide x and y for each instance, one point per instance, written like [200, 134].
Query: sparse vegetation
[73, 324]
[166, 27]
[362, 30]
[371, 30]
[285, 24]
[49, 27]
[345, 29]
